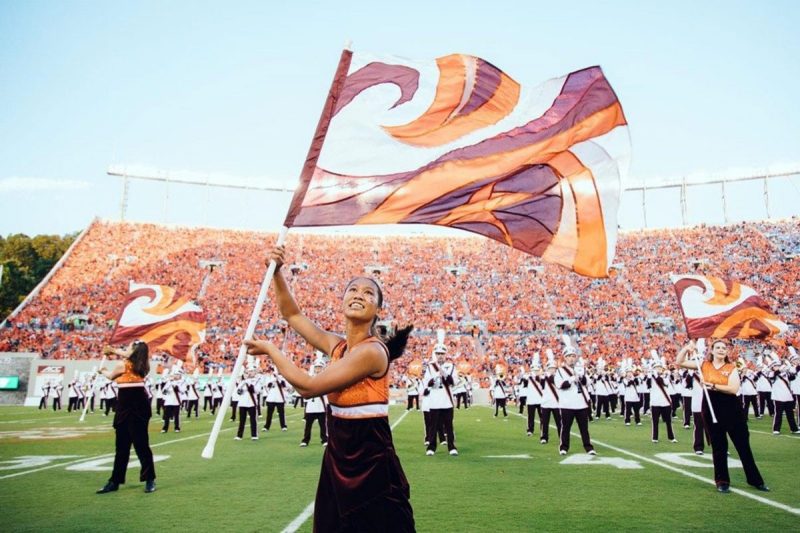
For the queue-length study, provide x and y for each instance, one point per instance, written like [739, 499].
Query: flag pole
[703, 383]
[294, 208]
[86, 404]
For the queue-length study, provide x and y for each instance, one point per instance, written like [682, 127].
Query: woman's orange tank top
[717, 376]
[367, 398]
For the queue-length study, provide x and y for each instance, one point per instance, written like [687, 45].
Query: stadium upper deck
[519, 302]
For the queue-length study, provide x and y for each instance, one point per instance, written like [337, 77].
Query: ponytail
[396, 343]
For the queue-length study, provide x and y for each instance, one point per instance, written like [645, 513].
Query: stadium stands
[497, 304]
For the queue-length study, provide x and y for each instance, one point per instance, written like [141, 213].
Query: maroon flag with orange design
[719, 308]
[457, 142]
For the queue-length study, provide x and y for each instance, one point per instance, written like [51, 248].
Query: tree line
[25, 261]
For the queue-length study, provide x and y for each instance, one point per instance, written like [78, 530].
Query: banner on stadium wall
[47, 374]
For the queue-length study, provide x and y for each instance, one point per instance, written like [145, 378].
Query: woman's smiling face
[361, 299]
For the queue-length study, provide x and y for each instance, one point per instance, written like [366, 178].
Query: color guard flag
[719, 308]
[457, 142]
[153, 314]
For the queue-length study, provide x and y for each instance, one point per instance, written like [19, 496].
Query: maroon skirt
[362, 486]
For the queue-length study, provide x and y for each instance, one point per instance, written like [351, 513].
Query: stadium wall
[16, 365]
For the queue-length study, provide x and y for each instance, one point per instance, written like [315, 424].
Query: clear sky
[236, 88]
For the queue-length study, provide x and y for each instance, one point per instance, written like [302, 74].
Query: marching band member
[45, 394]
[632, 403]
[764, 389]
[315, 411]
[460, 392]
[782, 397]
[573, 402]
[499, 395]
[687, 386]
[247, 403]
[56, 389]
[412, 392]
[110, 395]
[521, 389]
[439, 378]
[549, 400]
[722, 385]
[749, 394]
[533, 396]
[675, 388]
[603, 390]
[217, 392]
[643, 389]
[207, 398]
[794, 360]
[661, 401]
[699, 433]
[172, 403]
[72, 394]
[276, 399]
[192, 396]
[237, 385]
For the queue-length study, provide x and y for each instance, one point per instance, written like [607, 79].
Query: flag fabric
[719, 308]
[167, 323]
[457, 142]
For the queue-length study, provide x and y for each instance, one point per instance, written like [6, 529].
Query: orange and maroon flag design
[457, 142]
[719, 308]
[153, 314]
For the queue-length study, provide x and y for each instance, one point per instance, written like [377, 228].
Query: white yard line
[295, 524]
[103, 456]
[25, 421]
[773, 435]
[692, 475]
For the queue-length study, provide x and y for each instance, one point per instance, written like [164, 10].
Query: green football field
[51, 464]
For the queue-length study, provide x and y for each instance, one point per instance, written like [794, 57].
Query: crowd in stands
[495, 303]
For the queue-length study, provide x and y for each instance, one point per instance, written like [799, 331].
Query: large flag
[153, 314]
[457, 142]
[718, 308]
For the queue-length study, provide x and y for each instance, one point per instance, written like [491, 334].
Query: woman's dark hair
[396, 343]
[140, 358]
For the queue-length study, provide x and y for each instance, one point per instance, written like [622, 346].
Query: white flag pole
[86, 405]
[703, 383]
[208, 451]
[314, 150]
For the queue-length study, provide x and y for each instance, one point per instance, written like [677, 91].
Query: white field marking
[698, 461]
[773, 435]
[295, 524]
[49, 433]
[32, 461]
[103, 456]
[520, 456]
[105, 465]
[25, 421]
[617, 462]
[740, 492]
